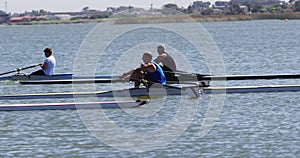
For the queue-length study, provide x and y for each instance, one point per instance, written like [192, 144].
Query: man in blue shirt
[149, 71]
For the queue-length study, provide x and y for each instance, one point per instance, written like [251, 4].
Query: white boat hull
[252, 89]
[72, 106]
[61, 79]
[136, 92]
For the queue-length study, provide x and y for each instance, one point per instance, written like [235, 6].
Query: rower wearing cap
[149, 71]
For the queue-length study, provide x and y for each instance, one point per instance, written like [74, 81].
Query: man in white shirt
[48, 65]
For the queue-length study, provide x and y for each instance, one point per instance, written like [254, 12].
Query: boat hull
[61, 79]
[252, 89]
[163, 91]
[178, 77]
[72, 106]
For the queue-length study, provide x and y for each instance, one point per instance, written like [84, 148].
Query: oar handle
[192, 91]
[20, 69]
[184, 73]
[28, 67]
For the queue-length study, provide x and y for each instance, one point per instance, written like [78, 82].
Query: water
[250, 125]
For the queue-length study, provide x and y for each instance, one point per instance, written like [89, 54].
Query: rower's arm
[160, 58]
[125, 74]
[147, 68]
[44, 65]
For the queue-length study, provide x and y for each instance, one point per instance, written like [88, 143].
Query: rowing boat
[72, 79]
[72, 106]
[60, 79]
[172, 77]
[179, 77]
[133, 92]
[161, 91]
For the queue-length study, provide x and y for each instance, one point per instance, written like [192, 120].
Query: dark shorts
[148, 78]
[38, 73]
[170, 75]
[167, 69]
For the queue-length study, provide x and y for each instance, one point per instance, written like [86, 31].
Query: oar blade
[192, 92]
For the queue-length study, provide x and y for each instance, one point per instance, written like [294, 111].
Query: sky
[20, 6]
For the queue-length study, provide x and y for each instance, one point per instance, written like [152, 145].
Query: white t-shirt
[51, 65]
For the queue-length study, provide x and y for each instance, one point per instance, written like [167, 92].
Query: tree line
[238, 7]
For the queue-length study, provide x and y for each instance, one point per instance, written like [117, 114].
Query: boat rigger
[162, 91]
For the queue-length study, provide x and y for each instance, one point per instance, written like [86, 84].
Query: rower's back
[168, 63]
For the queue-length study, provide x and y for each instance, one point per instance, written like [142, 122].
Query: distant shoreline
[174, 19]
[248, 17]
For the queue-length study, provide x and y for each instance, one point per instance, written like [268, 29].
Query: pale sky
[20, 6]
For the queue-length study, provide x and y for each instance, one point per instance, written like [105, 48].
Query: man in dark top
[168, 63]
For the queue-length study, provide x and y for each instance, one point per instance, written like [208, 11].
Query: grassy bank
[211, 18]
[281, 16]
[173, 19]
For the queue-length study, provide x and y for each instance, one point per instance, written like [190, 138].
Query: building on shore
[4, 17]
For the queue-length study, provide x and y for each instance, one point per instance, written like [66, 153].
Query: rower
[167, 62]
[149, 71]
[48, 65]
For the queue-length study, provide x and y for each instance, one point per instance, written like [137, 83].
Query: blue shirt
[157, 76]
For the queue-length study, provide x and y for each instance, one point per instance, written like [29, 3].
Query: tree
[170, 6]
[221, 3]
[208, 11]
[257, 9]
[254, 2]
[236, 9]
[85, 9]
[190, 9]
[297, 6]
[2, 12]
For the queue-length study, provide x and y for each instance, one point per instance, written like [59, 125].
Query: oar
[183, 73]
[192, 91]
[185, 76]
[19, 69]
[251, 77]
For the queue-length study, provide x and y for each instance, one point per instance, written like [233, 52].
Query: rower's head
[147, 57]
[48, 52]
[161, 49]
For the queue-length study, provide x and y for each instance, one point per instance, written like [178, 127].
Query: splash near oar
[19, 69]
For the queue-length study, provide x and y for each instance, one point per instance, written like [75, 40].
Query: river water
[245, 125]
